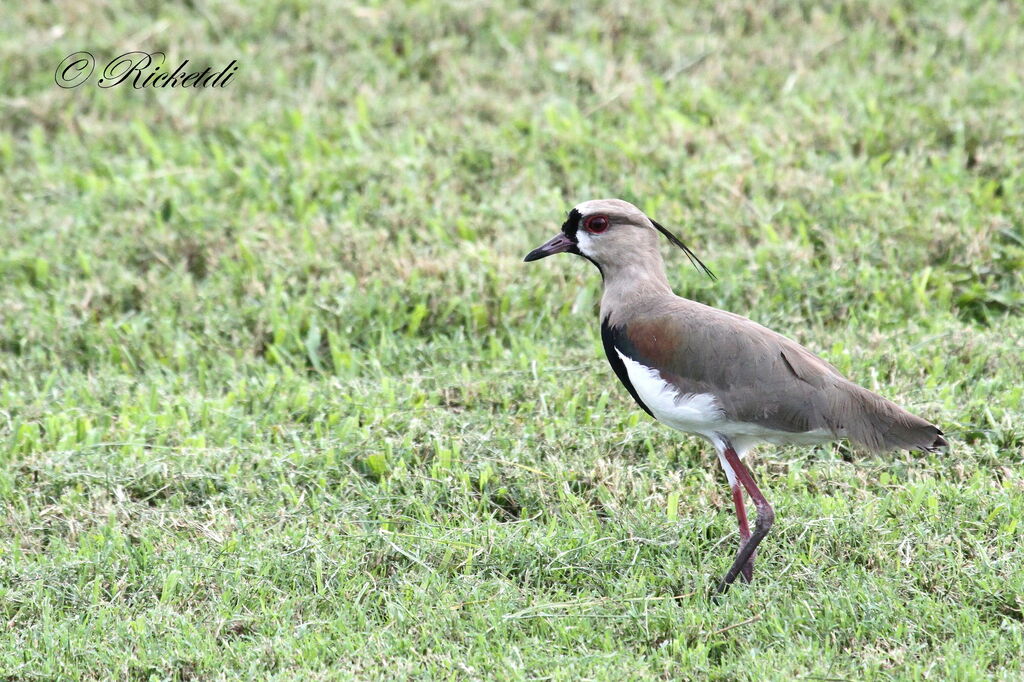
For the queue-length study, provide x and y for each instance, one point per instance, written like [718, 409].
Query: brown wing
[763, 378]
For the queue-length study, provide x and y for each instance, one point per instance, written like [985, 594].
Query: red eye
[595, 223]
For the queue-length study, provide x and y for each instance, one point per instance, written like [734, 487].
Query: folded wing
[759, 377]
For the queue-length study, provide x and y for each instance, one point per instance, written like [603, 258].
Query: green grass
[279, 398]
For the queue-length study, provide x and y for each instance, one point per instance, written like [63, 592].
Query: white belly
[692, 412]
[701, 414]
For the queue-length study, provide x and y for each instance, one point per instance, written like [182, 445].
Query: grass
[279, 399]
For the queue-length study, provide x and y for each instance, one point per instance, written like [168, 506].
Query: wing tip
[938, 441]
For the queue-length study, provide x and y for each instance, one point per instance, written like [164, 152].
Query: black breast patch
[615, 337]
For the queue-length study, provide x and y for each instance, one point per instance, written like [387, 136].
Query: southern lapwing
[715, 374]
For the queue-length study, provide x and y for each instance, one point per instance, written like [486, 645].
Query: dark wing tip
[697, 262]
[938, 440]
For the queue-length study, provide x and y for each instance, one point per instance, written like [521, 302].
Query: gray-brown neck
[630, 284]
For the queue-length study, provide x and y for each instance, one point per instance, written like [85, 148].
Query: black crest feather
[697, 262]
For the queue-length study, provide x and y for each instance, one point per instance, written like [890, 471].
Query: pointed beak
[558, 244]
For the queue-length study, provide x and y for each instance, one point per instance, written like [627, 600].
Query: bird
[716, 374]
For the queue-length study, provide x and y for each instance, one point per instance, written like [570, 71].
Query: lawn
[279, 399]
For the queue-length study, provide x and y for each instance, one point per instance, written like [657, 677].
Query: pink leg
[765, 517]
[741, 516]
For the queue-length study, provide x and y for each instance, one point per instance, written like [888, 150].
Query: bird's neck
[627, 287]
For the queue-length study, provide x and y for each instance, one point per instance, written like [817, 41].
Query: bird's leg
[741, 516]
[765, 517]
[741, 510]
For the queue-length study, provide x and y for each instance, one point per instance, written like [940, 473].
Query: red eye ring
[596, 223]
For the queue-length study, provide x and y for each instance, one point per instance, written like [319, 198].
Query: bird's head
[613, 235]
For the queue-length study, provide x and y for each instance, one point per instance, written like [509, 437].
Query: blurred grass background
[280, 399]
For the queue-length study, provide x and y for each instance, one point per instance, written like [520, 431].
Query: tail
[878, 424]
